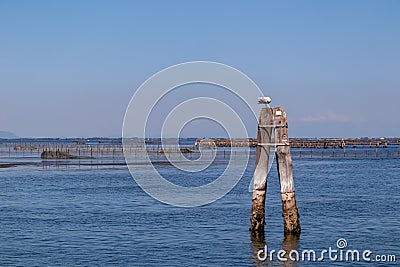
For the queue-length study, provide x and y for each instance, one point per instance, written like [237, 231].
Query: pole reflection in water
[290, 243]
[262, 253]
[257, 244]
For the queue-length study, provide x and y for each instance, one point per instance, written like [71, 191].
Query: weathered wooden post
[291, 218]
[273, 122]
[261, 171]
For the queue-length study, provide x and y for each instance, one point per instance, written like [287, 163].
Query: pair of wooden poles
[273, 132]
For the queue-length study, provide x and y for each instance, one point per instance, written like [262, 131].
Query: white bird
[264, 100]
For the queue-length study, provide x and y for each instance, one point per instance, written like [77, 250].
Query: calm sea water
[98, 216]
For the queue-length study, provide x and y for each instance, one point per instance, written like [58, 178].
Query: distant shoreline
[188, 138]
[309, 142]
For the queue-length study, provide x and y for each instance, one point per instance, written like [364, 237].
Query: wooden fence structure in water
[300, 148]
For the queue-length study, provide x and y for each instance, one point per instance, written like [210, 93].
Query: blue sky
[69, 68]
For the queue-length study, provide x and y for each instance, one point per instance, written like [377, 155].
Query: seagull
[264, 100]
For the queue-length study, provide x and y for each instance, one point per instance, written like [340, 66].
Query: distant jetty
[304, 142]
[60, 155]
[56, 155]
[209, 143]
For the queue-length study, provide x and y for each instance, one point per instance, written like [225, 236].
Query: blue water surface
[98, 216]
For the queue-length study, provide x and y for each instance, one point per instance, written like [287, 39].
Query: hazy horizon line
[197, 137]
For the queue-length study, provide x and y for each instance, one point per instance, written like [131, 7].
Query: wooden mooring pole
[274, 121]
[261, 171]
[290, 213]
